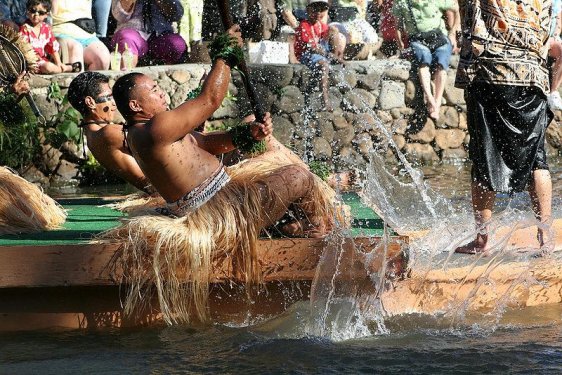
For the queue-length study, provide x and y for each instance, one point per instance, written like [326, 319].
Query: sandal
[76, 67]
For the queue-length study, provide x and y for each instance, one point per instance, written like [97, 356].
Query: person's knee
[301, 180]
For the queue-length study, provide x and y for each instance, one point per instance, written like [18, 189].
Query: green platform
[87, 218]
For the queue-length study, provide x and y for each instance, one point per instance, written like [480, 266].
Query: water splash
[350, 301]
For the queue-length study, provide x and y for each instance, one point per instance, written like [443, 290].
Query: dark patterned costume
[503, 71]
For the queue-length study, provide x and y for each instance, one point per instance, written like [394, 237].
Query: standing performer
[213, 212]
[503, 71]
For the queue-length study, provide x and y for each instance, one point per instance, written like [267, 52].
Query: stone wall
[371, 99]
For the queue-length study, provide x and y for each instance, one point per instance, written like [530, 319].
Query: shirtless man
[89, 94]
[181, 163]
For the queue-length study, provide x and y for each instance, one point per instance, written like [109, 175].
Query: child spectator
[40, 36]
[317, 45]
[555, 51]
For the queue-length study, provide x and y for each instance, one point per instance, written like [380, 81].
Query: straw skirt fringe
[173, 257]
[24, 208]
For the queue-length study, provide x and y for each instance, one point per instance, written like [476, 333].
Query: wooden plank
[91, 264]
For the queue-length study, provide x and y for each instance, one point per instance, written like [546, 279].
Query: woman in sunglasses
[39, 34]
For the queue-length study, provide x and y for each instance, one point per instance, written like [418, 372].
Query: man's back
[107, 144]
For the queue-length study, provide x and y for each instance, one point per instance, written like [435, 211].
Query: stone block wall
[372, 101]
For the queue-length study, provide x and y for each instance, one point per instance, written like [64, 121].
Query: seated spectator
[387, 27]
[317, 45]
[40, 36]
[191, 24]
[146, 27]
[100, 12]
[80, 40]
[432, 42]
[13, 13]
[555, 51]
[350, 17]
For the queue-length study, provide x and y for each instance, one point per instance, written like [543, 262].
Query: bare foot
[293, 229]
[432, 109]
[435, 112]
[470, 248]
[298, 229]
[476, 246]
[545, 244]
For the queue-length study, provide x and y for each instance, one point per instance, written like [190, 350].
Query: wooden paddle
[257, 106]
[12, 64]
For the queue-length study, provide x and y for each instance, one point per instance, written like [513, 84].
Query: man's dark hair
[122, 90]
[85, 84]
[32, 3]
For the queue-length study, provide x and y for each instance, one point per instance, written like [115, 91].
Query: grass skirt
[174, 257]
[24, 208]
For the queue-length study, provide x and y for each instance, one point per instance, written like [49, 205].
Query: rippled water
[524, 341]
[532, 348]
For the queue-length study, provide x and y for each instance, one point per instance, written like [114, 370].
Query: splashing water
[350, 301]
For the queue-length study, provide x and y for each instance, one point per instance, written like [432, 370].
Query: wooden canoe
[75, 286]
[62, 279]
[69, 285]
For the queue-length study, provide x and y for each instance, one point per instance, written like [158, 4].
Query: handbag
[432, 39]
[342, 14]
[86, 24]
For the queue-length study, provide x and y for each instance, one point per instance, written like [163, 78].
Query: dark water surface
[530, 349]
[526, 341]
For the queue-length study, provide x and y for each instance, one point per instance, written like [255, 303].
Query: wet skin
[106, 139]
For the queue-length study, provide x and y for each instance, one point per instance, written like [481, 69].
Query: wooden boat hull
[76, 286]
[517, 276]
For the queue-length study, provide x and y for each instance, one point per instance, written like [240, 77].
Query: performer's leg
[293, 184]
[540, 190]
[278, 153]
[482, 204]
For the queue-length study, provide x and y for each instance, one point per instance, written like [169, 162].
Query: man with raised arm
[181, 162]
[213, 213]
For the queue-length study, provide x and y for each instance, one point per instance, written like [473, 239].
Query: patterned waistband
[201, 194]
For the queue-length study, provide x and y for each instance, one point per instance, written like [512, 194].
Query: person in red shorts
[317, 45]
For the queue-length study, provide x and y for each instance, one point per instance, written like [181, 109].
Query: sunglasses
[104, 99]
[36, 11]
